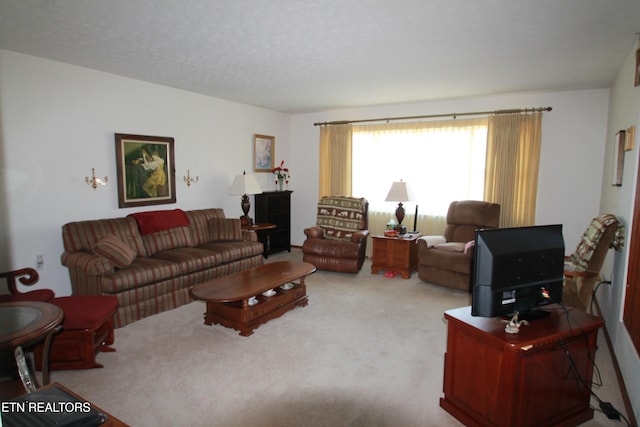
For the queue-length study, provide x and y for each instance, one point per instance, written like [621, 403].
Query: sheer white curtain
[441, 161]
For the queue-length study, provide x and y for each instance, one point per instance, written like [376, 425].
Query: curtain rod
[454, 115]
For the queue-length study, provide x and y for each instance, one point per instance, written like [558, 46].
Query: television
[517, 271]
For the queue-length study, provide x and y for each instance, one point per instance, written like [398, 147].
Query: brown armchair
[582, 267]
[447, 260]
[339, 239]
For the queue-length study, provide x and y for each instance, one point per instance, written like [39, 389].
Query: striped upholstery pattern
[230, 251]
[136, 304]
[167, 264]
[190, 260]
[178, 237]
[199, 220]
[142, 271]
[115, 250]
[225, 229]
[83, 235]
[87, 264]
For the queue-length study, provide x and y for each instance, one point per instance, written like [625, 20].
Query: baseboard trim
[623, 388]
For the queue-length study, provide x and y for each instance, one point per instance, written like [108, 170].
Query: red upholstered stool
[86, 330]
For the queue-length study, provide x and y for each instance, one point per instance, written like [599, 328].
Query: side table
[264, 238]
[398, 254]
[23, 324]
[540, 376]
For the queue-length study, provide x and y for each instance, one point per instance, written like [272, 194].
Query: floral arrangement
[281, 172]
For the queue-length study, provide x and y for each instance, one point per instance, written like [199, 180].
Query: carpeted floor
[366, 351]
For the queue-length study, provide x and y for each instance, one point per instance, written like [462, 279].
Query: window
[441, 162]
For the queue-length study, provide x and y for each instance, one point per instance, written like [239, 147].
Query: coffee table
[228, 297]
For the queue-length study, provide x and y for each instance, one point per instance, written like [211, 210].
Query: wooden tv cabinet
[492, 378]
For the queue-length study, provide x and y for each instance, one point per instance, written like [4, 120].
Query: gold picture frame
[146, 170]
[263, 151]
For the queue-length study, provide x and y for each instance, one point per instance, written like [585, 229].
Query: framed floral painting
[145, 169]
[263, 148]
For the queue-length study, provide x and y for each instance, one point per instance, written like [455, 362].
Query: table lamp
[398, 193]
[245, 185]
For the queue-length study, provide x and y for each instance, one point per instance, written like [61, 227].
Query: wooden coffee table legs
[241, 316]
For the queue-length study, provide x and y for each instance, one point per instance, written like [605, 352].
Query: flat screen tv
[517, 271]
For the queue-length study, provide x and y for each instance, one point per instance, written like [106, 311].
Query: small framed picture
[618, 158]
[263, 149]
[146, 170]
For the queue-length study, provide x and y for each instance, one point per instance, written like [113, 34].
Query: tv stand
[533, 315]
[492, 378]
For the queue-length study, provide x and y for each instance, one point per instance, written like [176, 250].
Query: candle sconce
[93, 181]
[189, 180]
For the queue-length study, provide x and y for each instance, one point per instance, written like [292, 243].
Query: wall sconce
[189, 180]
[93, 181]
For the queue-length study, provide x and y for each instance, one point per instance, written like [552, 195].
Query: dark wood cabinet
[538, 377]
[274, 207]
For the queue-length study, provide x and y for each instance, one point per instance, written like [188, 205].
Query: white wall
[571, 158]
[58, 121]
[624, 111]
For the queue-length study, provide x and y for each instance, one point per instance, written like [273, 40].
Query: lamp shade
[398, 192]
[244, 184]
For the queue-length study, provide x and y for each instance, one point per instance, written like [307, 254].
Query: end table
[264, 238]
[398, 254]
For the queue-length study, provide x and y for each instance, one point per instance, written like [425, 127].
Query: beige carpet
[366, 351]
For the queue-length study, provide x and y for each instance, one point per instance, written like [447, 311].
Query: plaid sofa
[151, 269]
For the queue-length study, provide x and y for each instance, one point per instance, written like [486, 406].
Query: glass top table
[25, 323]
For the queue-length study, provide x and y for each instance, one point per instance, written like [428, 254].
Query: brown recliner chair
[339, 239]
[582, 267]
[447, 260]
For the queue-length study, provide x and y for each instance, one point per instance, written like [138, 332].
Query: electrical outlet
[39, 262]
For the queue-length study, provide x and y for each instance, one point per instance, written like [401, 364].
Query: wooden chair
[582, 267]
[28, 277]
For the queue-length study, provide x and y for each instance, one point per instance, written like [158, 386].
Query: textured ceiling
[301, 56]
